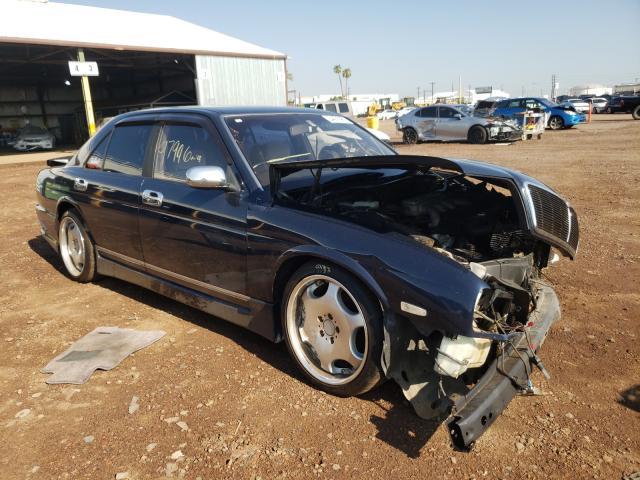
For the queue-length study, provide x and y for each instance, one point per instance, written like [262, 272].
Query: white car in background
[599, 104]
[405, 110]
[580, 105]
[34, 138]
[387, 114]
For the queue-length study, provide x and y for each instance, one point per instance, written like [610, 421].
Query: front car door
[450, 126]
[195, 237]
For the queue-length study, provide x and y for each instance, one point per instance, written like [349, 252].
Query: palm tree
[346, 73]
[337, 69]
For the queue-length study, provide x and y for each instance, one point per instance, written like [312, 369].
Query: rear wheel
[477, 134]
[556, 123]
[409, 136]
[76, 248]
[333, 329]
[636, 113]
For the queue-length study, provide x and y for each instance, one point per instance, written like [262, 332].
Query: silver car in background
[448, 123]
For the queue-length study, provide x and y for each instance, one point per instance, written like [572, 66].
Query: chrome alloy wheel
[72, 247]
[327, 330]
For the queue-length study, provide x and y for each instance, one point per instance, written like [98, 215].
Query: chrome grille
[551, 213]
[574, 234]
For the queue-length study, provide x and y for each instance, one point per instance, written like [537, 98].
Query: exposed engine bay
[469, 219]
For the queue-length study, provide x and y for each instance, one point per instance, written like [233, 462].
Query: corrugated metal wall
[240, 81]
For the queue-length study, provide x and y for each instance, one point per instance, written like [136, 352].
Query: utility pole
[554, 86]
[86, 94]
[424, 94]
[459, 89]
[418, 96]
[432, 84]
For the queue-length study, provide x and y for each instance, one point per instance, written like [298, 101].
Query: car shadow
[630, 398]
[274, 354]
[398, 426]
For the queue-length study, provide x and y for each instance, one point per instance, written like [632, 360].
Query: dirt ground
[247, 414]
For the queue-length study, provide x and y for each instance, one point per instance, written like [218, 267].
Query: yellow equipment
[398, 105]
[373, 109]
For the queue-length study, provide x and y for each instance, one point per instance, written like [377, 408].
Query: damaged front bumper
[473, 413]
[469, 411]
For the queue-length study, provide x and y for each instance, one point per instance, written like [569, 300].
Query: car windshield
[547, 103]
[32, 130]
[300, 136]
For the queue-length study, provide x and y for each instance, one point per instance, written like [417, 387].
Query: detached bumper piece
[508, 375]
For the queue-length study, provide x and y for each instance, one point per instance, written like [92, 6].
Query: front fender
[340, 259]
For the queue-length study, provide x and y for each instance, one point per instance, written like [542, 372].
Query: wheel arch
[294, 258]
[64, 204]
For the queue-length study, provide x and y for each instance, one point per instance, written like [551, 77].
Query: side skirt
[254, 315]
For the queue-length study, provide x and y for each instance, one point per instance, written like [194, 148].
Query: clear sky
[395, 47]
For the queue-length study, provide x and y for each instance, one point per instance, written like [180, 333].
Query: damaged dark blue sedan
[302, 226]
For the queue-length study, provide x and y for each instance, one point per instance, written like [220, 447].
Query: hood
[34, 137]
[549, 217]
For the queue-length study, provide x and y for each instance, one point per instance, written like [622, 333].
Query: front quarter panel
[394, 267]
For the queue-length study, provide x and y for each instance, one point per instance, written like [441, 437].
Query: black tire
[636, 113]
[556, 123]
[369, 374]
[409, 136]
[477, 135]
[82, 266]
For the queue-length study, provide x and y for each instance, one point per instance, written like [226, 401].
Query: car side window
[429, 112]
[514, 104]
[126, 150]
[531, 104]
[344, 108]
[330, 107]
[446, 112]
[96, 159]
[180, 147]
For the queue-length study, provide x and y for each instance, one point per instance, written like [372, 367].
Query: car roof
[230, 110]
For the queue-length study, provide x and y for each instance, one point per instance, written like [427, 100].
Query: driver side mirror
[207, 177]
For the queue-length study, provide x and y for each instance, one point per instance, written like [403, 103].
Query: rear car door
[108, 187]
[426, 119]
[450, 127]
[192, 236]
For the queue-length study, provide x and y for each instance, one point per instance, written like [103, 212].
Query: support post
[86, 94]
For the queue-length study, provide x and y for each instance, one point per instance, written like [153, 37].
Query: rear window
[127, 149]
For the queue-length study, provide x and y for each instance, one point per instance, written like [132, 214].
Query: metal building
[144, 60]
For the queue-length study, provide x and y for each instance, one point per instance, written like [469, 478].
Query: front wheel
[333, 329]
[477, 134]
[636, 113]
[556, 123]
[76, 248]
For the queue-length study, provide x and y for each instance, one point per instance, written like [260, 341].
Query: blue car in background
[558, 116]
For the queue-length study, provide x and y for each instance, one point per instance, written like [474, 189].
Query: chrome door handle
[80, 184]
[152, 198]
